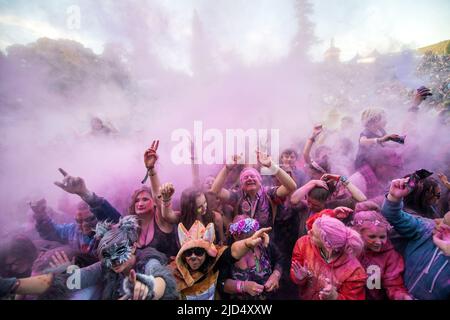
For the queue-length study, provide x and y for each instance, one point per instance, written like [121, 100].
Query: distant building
[333, 54]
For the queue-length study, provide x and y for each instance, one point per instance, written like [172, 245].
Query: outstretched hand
[398, 189]
[60, 258]
[263, 158]
[74, 185]
[235, 160]
[140, 290]
[421, 94]
[260, 236]
[300, 272]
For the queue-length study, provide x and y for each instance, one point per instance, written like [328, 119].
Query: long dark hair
[188, 208]
[417, 199]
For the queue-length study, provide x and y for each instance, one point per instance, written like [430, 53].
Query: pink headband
[362, 224]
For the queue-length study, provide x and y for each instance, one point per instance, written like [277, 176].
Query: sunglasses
[87, 220]
[196, 251]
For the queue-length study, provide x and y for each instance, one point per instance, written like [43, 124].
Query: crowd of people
[318, 226]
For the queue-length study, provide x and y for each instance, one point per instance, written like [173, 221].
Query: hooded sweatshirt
[390, 265]
[345, 273]
[200, 284]
[427, 269]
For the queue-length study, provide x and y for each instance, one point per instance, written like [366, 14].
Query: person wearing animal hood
[123, 272]
[427, 252]
[199, 262]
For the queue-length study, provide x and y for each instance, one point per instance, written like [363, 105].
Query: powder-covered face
[250, 181]
[86, 221]
[143, 203]
[374, 237]
[201, 206]
[115, 257]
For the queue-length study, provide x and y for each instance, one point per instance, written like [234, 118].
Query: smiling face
[201, 205]
[374, 237]
[143, 203]
[250, 181]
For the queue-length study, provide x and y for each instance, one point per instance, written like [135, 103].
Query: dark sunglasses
[196, 251]
[87, 220]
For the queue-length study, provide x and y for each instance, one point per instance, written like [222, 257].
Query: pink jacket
[346, 273]
[391, 266]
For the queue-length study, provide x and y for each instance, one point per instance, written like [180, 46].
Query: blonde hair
[372, 115]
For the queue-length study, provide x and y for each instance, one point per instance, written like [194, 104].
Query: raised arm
[405, 224]
[288, 184]
[150, 158]
[364, 141]
[240, 248]
[168, 214]
[45, 226]
[355, 192]
[101, 208]
[219, 181]
[309, 143]
[194, 167]
[301, 193]
[420, 95]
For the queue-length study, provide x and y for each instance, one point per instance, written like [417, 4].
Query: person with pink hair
[383, 264]
[254, 199]
[325, 265]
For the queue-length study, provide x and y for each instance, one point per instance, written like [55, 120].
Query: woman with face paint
[123, 273]
[195, 206]
[256, 276]
[427, 253]
[199, 262]
[325, 265]
[382, 263]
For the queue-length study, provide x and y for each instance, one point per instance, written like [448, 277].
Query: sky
[257, 31]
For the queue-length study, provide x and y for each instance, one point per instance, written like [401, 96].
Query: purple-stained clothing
[263, 208]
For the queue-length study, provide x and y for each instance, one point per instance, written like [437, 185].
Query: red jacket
[391, 266]
[346, 273]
